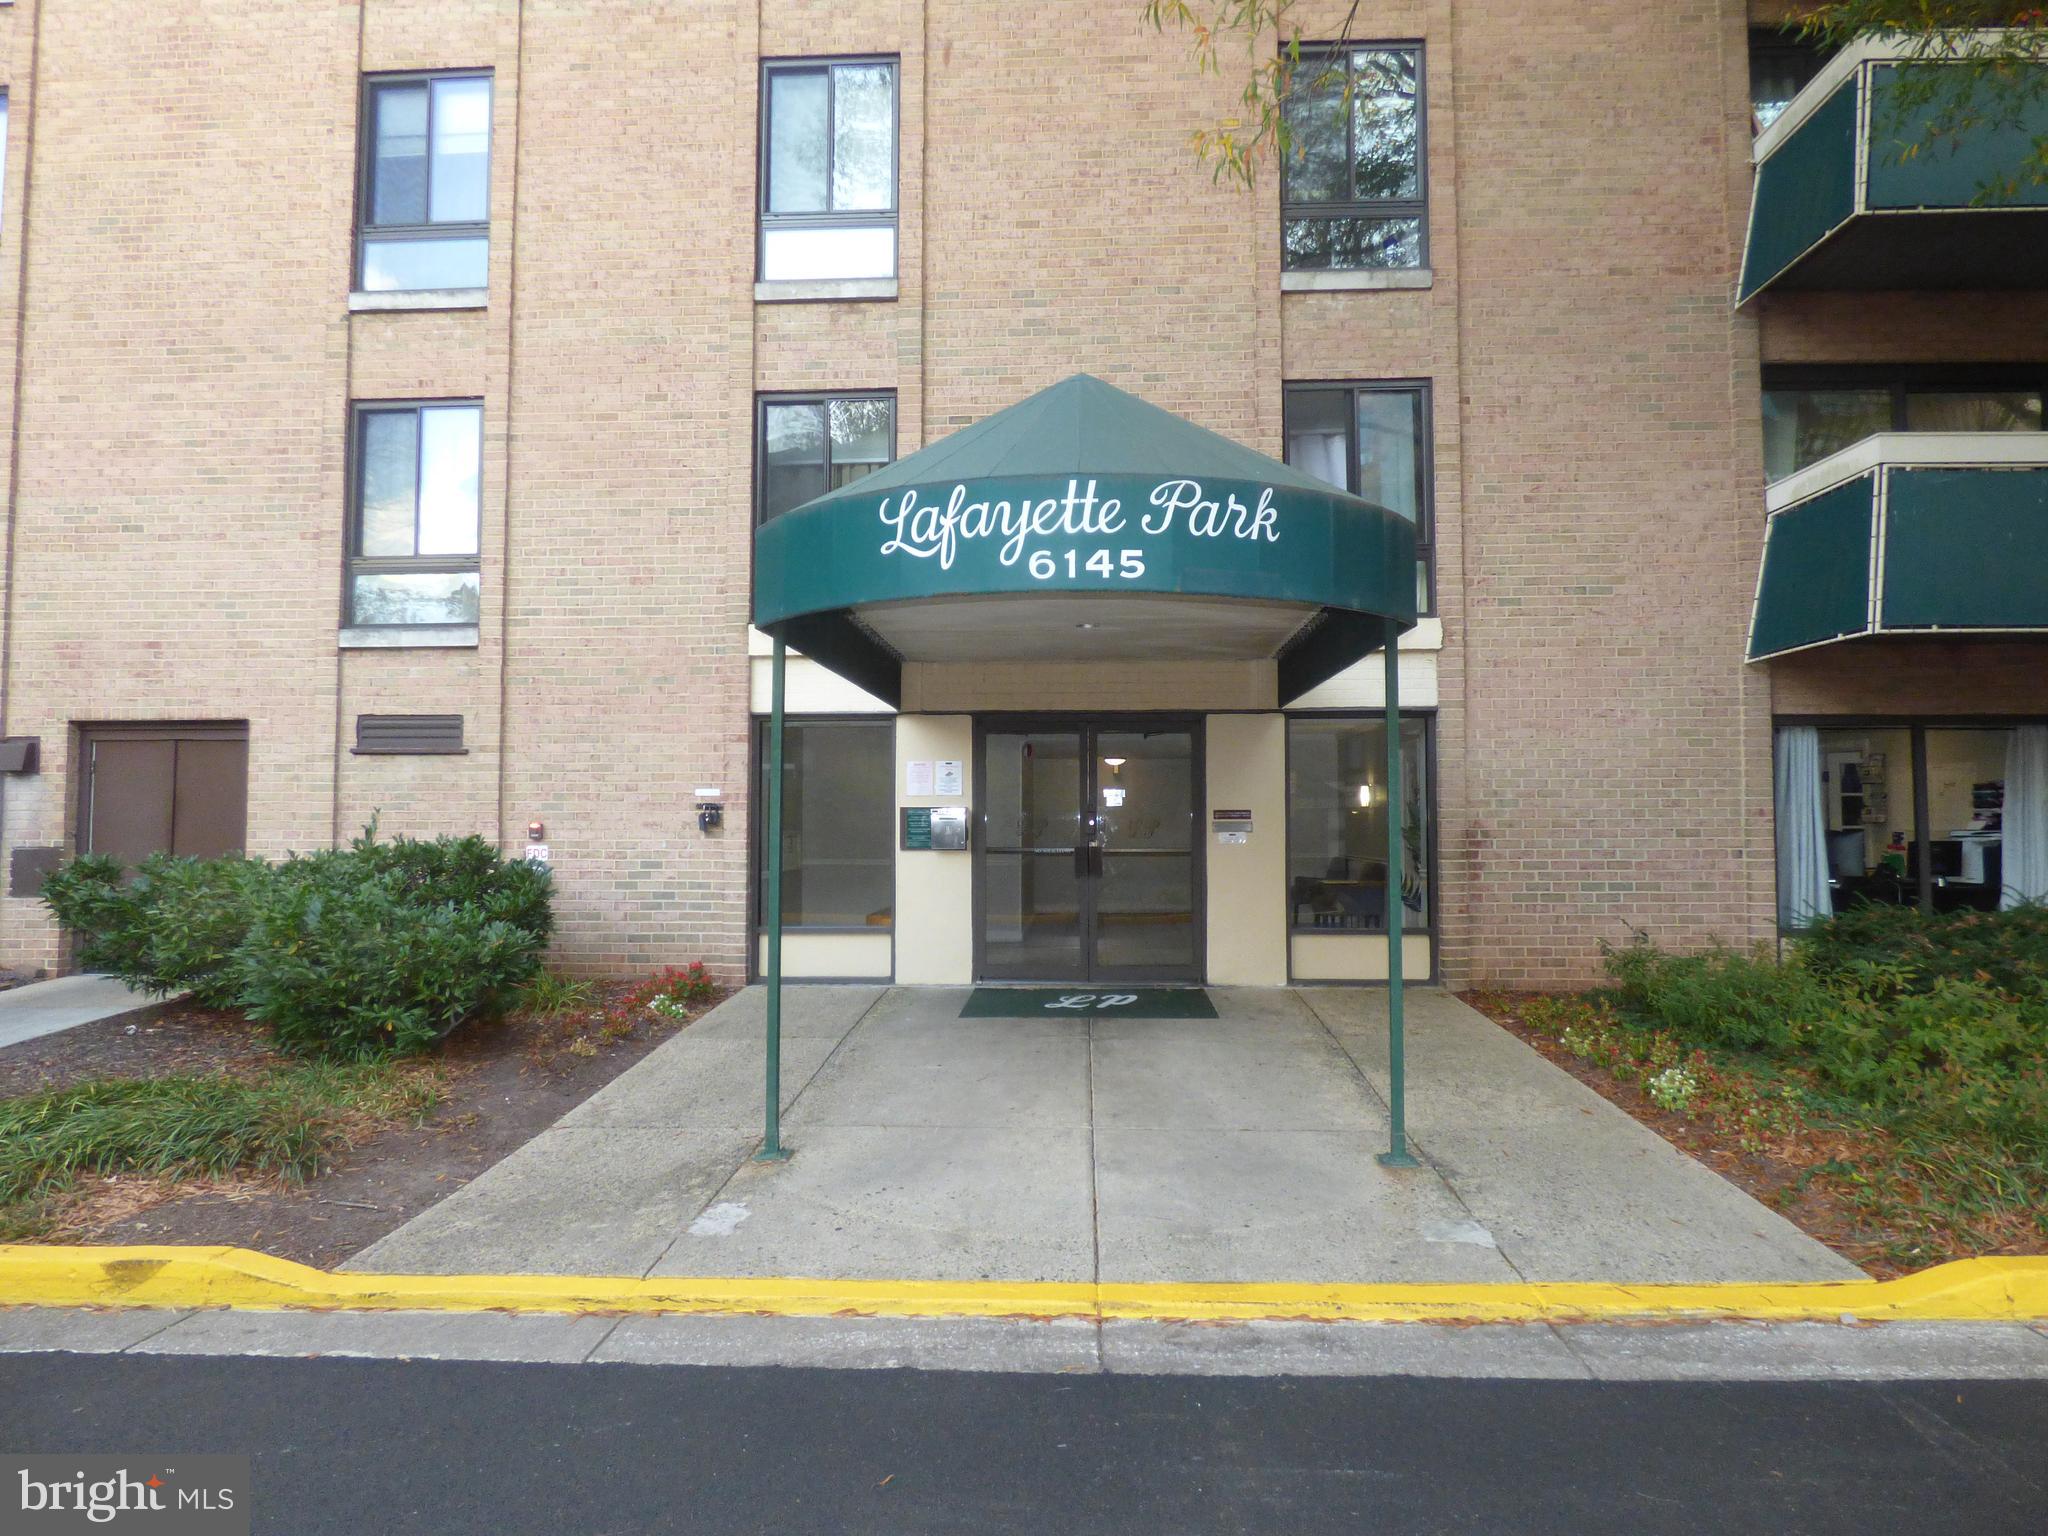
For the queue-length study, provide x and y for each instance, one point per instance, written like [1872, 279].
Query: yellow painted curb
[1973, 1290]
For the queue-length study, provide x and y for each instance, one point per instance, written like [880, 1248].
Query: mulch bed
[1775, 1176]
[503, 1083]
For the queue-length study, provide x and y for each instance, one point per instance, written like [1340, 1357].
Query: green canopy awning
[1084, 522]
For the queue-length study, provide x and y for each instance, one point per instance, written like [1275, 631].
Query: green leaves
[373, 950]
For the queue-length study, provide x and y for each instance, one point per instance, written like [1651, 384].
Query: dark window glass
[828, 203]
[426, 183]
[812, 445]
[838, 823]
[1337, 807]
[1352, 185]
[1804, 426]
[1805, 422]
[414, 540]
[1780, 67]
[1373, 441]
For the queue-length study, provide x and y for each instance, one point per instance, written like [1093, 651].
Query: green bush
[2009, 950]
[376, 949]
[1937, 1024]
[173, 927]
[350, 963]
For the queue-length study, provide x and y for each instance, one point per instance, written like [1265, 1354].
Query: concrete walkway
[45, 1007]
[1238, 1148]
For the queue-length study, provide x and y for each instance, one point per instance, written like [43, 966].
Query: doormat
[1102, 1002]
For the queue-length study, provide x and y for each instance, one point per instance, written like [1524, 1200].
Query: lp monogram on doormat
[1072, 1002]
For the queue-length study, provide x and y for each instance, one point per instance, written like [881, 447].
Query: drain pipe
[772, 1149]
[1397, 1154]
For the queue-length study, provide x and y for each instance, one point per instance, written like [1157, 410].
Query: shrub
[2008, 950]
[350, 962]
[1949, 1033]
[1720, 996]
[174, 927]
[376, 949]
[674, 994]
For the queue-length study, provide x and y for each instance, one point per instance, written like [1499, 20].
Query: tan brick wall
[188, 360]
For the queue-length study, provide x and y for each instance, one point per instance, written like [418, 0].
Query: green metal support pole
[772, 1149]
[1397, 1154]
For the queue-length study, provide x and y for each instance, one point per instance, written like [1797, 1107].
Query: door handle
[1080, 861]
[1095, 860]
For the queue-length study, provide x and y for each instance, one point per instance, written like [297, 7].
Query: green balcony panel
[1844, 200]
[1805, 190]
[1816, 575]
[1955, 548]
[1966, 549]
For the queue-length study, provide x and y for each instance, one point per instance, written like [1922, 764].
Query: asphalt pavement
[446, 1446]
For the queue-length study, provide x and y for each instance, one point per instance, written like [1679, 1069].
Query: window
[1781, 65]
[413, 543]
[1810, 413]
[807, 445]
[1351, 193]
[838, 823]
[828, 170]
[425, 200]
[1337, 824]
[1850, 803]
[1372, 440]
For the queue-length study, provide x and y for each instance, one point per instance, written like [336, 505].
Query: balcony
[1907, 533]
[1836, 207]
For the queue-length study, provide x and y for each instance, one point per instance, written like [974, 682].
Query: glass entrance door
[1088, 852]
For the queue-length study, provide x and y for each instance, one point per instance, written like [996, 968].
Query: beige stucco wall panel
[935, 891]
[1245, 766]
[1357, 957]
[830, 956]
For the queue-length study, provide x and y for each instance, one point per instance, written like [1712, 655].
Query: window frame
[825, 397]
[366, 169]
[1416, 207]
[757, 831]
[1917, 727]
[354, 562]
[1425, 456]
[863, 218]
[1432, 863]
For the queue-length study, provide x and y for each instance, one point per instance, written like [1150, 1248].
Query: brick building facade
[186, 345]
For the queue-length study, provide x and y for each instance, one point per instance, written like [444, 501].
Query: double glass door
[1088, 853]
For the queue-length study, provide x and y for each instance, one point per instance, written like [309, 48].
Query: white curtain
[1803, 895]
[2025, 846]
[1320, 454]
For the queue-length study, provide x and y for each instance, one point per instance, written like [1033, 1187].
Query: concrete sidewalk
[45, 1007]
[1238, 1148]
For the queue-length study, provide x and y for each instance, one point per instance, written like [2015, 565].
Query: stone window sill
[418, 298]
[1339, 282]
[404, 637]
[812, 292]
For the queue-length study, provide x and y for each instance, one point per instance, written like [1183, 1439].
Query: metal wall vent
[408, 734]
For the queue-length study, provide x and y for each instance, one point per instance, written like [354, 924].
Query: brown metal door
[151, 791]
[210, 798]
